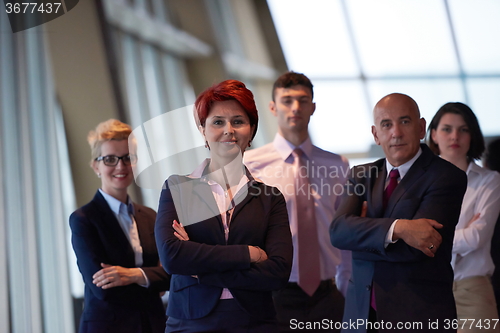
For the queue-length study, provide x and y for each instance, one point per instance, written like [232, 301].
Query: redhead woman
[455, 135]
[222, 234]
[113, 239]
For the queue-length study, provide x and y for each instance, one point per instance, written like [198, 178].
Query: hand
[115, 276]
[364, 208]
[256, 254]
[179, 232]
[420, 234]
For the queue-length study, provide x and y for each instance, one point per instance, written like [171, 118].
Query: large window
[35, 190]
[357, 51]
[153, 56]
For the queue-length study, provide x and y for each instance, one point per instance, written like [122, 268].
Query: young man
[401, 246]
[310, 179]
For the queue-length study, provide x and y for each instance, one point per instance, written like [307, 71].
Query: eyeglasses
[112, 160]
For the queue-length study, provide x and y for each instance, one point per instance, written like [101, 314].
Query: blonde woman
[113, 239]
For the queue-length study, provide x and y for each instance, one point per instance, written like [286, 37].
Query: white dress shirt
[403, 169]
[129, 226]
[273, 163]
[472, 242]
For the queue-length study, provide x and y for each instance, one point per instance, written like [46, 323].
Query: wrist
[138, 276]
[135, 275]
[260, 253]
[255, 253]
[399, 226]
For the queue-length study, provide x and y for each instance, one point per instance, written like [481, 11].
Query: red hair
[225, 91]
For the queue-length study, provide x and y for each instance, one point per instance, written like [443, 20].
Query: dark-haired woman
[455, 135]
[223, 235]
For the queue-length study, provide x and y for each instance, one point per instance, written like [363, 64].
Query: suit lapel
[378, 190]
[111, 226]
[201, 194]
[146, 235]
[253, 190]
[142, 227]
[416, 171]
[203, 191]
[205, 197]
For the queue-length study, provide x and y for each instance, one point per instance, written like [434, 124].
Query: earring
[250, 143]
[206, 145]
[99, 175]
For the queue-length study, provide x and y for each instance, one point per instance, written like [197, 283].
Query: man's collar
[403, 168]
[285, 147]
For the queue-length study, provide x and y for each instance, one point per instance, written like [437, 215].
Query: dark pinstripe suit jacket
[409, 286]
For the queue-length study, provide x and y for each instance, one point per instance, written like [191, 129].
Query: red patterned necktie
[393, 182]
[307, 234]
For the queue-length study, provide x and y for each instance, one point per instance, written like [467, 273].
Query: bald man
[401, 247]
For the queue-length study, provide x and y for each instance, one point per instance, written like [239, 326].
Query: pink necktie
[307, 234]
[393, 182]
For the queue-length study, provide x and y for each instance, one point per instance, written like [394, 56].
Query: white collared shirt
[273, 163]
[129, 226]
[403, 170]
[472, 242]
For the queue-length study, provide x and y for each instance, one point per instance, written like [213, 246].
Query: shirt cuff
[388, 237]
[146, 278]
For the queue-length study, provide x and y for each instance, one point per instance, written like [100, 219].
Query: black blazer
[98, 238]
[409, 286]
[260, 219]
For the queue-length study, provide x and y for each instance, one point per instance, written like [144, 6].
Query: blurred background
[136, 60]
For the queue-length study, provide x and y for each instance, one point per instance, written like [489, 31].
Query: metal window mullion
[160, 11]
[7, 102]
[357, 56]
[54, 273]
[67, 203]
[24, 278]
[457, 52]
[140, 5]
[152, 83]
[225, 29]
[188, 95]
[41, 182]
[173, 81]
[61, 279]
[133, 81]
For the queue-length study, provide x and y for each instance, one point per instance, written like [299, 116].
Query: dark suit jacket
[98, 238]
[260, 219]
[409, 286]
[495, 255]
